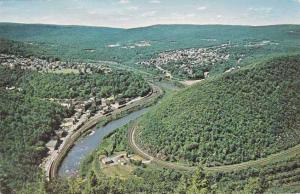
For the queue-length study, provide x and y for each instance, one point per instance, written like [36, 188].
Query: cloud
[92, 12]
[182, 16]
[190, 15]
[149, 14]
[133, 8]
[201, 8]
[124, 19]
[263, 10]
[219, 16]
[124, 1]
[158, 1]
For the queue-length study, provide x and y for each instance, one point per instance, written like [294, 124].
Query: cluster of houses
[83, 110]
[122, 159]
[260, 43]
[143, 43]
[186, 59]
[38, 64]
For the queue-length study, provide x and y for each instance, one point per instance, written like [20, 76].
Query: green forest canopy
[239, 116]
[68, 86]
[26, 124]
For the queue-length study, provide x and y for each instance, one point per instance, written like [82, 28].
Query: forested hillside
[18, 48]
[239, 116]
[74, 86]
[132, 45]
[29, 119]
[26, 124]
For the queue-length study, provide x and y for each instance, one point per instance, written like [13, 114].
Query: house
[122, 160]
[107, 160]
[98, 101]
[105, 110]
[87, 104]
[77, 115]
[61, 133]
[103, 102]
[68, 122]
[206, 74]
[122, 101]
[52, 144]
[110, 100]
[115, 106]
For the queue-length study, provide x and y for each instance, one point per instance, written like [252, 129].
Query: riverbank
[56, 159]
[87, 144]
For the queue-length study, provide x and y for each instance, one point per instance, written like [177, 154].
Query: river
[84, 146]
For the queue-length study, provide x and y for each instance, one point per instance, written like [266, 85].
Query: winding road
[277, 157]
[157, 92]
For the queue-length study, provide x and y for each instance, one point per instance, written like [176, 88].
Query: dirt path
[281, 156]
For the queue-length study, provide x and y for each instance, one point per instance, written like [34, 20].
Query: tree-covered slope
[239, 116]
[126, 45]
[26, 124]
[18, 48]
[68, 86]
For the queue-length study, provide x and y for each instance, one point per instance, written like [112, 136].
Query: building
[52, 144]
[107, 160]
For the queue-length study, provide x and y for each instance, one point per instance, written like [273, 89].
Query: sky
[137, 13]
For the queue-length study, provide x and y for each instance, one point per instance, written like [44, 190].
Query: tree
[75, 185]
[255, 186]
[199, 182]
[182, 186]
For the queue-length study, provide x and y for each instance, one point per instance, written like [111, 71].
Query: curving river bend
[86, 145]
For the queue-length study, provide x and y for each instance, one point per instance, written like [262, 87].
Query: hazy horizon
[141, 13]
[158, 24]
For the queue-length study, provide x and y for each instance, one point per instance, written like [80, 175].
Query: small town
[186, 59]
[82, 112]
[143, 43]
[33, 63]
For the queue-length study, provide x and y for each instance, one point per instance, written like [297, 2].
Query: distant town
[185, 60]
[38, 64]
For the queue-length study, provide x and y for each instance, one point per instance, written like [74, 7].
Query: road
[55, 161]
[281, 156]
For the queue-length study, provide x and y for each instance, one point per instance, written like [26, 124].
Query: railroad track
[52, 171]
[277, 157]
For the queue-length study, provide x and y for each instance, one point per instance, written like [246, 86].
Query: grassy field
[120, 171]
